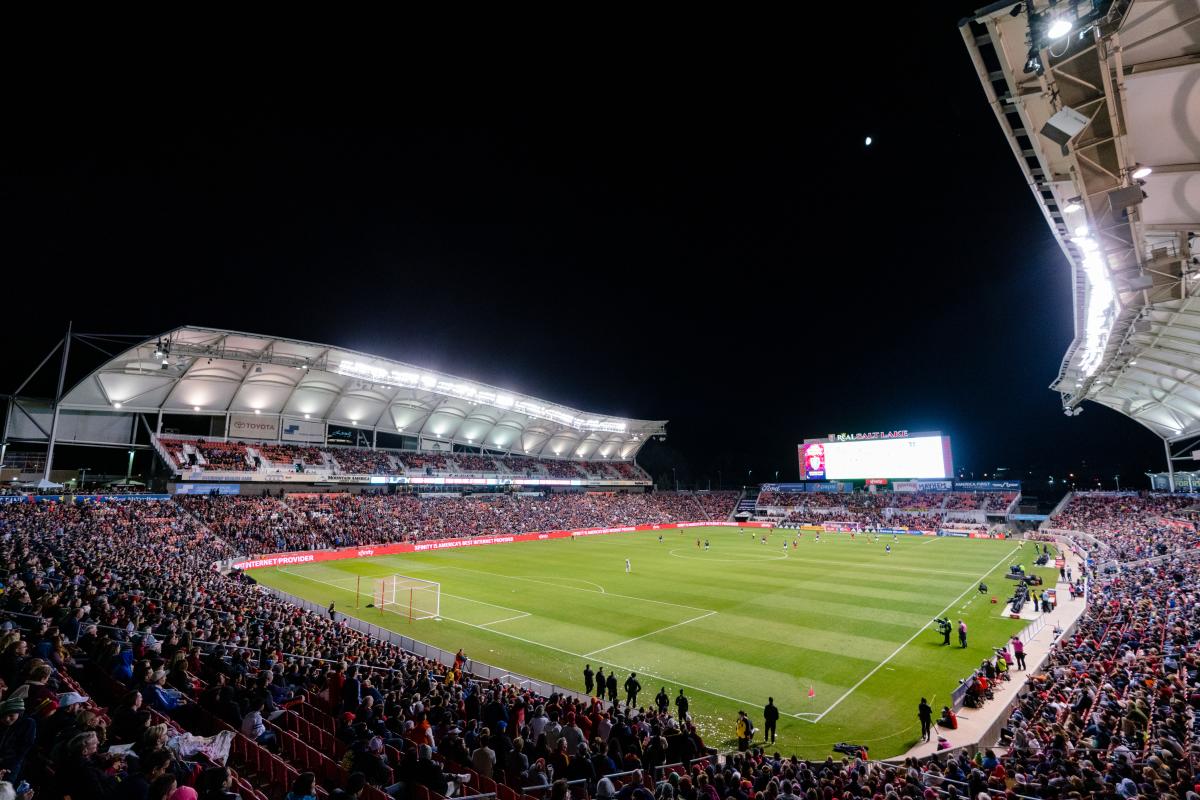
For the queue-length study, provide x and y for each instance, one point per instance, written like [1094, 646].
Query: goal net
[410, 597]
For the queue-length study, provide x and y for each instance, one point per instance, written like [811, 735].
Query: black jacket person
[612, 687]
[632, 687]
[770, 718]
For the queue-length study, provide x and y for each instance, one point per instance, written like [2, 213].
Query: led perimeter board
[890, 454]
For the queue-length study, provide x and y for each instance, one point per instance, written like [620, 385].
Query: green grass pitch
[730, 625]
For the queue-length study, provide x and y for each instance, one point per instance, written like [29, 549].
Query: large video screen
[910, 457]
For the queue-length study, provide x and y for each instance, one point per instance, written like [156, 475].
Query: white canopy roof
[197, 370]
[1130, 70]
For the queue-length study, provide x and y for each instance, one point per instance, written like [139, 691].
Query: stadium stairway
[745, 503]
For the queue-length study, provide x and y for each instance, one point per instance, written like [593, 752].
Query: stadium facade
[266, 389]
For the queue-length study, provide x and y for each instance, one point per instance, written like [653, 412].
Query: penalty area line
[651, 633]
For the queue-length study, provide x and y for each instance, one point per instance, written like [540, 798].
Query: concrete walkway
[976, 723]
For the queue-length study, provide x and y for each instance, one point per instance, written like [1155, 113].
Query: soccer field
[731, 625]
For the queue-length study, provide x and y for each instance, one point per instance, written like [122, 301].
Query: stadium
[341, 574]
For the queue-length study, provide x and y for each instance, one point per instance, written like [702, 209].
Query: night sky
[699, 235]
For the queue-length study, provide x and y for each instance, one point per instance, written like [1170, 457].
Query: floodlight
[1141, 172]
[195, 408]
[257, 411]
[1071, 207]
[116, 405]
[306, 416]
[1059, 28]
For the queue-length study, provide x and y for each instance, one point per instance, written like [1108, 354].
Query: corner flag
[811, 693]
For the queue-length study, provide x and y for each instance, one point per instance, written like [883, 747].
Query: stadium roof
[194, 370]
[1105, 125]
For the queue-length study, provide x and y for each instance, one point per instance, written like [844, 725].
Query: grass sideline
[732, 625]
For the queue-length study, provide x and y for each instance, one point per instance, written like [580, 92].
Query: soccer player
[697, 542]
[660, 538]
[628, 567]
[888, 549]
[706, 544]
[818, 539]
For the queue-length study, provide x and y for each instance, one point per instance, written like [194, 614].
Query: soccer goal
[410, 597]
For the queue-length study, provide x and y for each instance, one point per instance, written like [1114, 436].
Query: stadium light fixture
[1059, 28]
[1082, 231]
[257, 411]
[1141, 172]
[1071, 207]
[195, 408]
[116, 405]
[306, 416]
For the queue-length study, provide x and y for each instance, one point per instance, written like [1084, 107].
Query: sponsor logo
[859, 437]
[253, 426]
[298, 558]
[362, 553]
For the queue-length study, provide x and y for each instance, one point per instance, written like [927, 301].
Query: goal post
[414, 598]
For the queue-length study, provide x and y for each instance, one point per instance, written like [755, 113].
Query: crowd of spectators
[186, 659]
[289, 454]
[117, 604]
[468, 462]
[233, 456]
[217, 456]
[1130, 525]
[924, 509]
[359, 461]
[317, 521]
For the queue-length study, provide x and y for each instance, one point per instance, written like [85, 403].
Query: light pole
[777, 476]
[1117, 478]
[675, 478]
[83, 477]
[129, 469]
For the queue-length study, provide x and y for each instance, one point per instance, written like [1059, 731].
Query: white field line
[569, 580]
[522, 615]
[485, 603]
[543, 645]
[578, 589]
[651, 633]
[519, 614]
[920, 630]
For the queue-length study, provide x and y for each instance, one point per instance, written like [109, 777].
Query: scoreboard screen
[884, 456]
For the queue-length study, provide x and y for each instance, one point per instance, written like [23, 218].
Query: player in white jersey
[628, 567]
